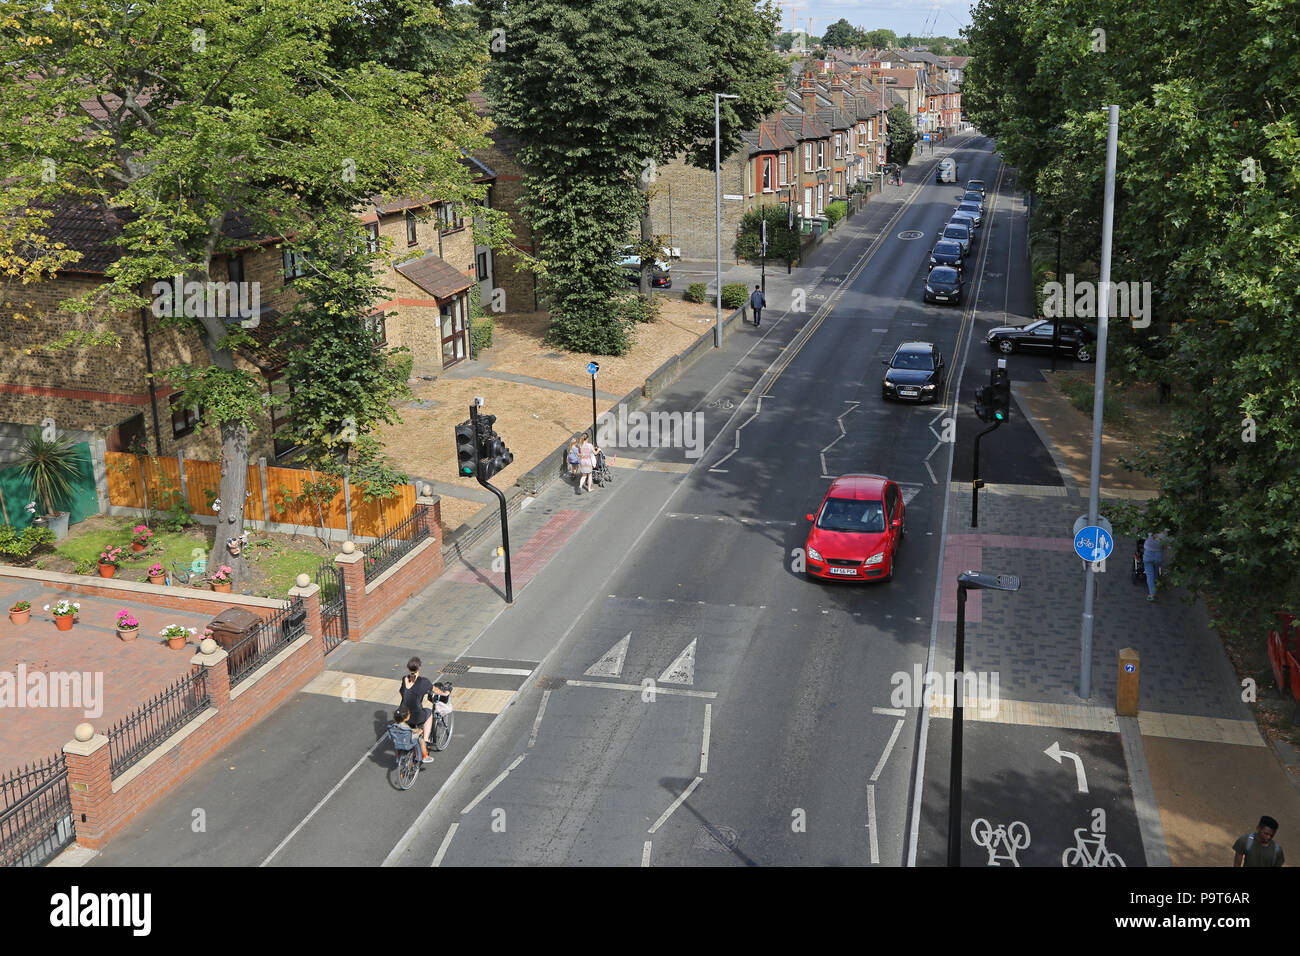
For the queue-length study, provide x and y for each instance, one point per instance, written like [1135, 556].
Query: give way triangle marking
[611, 665]
[682, 670]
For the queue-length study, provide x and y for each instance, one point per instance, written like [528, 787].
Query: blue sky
[918, 17]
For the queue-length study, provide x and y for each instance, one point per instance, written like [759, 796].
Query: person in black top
[415, 690]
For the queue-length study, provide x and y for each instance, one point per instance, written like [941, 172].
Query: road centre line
[675, 804]
[704, 749]
[493, 785]
[446, 842]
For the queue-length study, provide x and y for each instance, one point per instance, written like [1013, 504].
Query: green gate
[16, 493]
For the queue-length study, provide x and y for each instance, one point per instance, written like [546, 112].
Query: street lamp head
[988, 582]
[726, 96]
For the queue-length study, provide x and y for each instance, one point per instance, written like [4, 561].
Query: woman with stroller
[587, 453]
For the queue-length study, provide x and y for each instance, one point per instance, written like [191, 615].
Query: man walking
[1153, 556]
[757, 302]
[1259, 848]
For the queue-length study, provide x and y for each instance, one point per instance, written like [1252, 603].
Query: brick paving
[129, 672]
[532, 557]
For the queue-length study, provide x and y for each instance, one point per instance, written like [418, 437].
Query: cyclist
[404, 738]
[414, 691]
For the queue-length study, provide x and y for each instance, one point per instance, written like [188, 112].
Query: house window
[235, 267]
[821, 198]
[807, 158]
[280, 388]
[808, 202]
[452, 317]
[450, 217]
[481, 267]
[372, 237]
[821, 154]
[870, 128]
[839, 145]
[377, 325]
[785, 169]
[862, 134]
[410, 228]
[184, 418]
[294, 267]
[767, 174]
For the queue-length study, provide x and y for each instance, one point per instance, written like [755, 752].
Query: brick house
[813, 175]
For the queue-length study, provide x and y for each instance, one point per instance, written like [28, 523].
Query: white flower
[47, 607]
[192, 631]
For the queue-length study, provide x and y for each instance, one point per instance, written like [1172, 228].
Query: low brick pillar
[212, 658]
[430, 516]
[354, 589]
[90, 784]
[309, 593]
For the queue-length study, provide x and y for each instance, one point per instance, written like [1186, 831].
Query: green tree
[783, 243]
[174, 115]
[878, 39]
[841, 34]
[900, 135]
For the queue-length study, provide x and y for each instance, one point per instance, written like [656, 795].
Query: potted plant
[65, 613]
[51, 467]
[140, 536]
[21, 612]
[127, 625]
[109, 559]
[220, 579]
[175, 635]
[157, 575]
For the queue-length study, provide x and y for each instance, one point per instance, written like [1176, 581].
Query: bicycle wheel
[407, 768]
[441, 731]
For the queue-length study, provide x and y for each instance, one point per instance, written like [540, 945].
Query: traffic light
[493, 455]
[1000, 384]
[466, 450]
[984, 403]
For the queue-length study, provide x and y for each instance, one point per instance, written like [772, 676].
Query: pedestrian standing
[757, 302]
[1153, 556]
[1259, 848]
[586, 461]
[574, 458]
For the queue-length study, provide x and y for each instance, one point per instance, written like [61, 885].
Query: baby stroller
[1139, 569]
[601, 473]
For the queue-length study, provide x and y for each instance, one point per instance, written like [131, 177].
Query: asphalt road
[701, 661]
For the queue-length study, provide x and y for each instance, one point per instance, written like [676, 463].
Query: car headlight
[874, 559]
[928, 289]
[812, 553]
[989, 337]
[927, 388]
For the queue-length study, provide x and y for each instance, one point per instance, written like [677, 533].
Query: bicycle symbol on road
[1081, 855]
[1012, 837]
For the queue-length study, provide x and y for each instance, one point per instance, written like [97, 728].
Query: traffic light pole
[976, 483]
[505, 526]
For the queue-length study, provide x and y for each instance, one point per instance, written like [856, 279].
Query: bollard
[1130, 675]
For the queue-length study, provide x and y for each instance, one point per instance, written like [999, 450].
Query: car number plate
[907, 391]
[843, 570]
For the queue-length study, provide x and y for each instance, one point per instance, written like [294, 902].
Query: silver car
[974, 210]
[961, 232]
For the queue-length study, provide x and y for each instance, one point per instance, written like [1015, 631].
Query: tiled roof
[87, 229]
[802, 127]
[435, 276]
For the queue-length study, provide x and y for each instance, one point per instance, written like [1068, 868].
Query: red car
[857, 530]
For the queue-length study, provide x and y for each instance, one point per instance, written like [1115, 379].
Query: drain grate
[454, 668]
[716, 839]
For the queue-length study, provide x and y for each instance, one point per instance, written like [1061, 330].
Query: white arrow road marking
[682, 670]
[611, 665]
[1056, 753]
[839, 421]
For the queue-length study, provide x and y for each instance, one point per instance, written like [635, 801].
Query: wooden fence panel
[200, 478]
[374, 519]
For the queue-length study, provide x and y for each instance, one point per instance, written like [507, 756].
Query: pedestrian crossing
[481, 685]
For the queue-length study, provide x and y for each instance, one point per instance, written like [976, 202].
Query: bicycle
[443, 716]
[408, 758]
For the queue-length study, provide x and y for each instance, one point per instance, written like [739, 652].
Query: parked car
[660, 278]
[947, 252]
[857, 530]
[961, 232]
[915, 373]
[1074, 339]
[959, 215]
[975, 196]
[946, 171]
[943, 284]
[977, 185]
[973, 208]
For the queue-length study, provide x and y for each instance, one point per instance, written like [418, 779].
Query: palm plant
[50, 465]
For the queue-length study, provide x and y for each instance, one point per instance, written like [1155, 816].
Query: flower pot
[107, 570]
[20, 617]
[127, 633]
[157, 579]
[223, 587]
[65, 621]
[176, 643]
[57, 523]
[137, 547]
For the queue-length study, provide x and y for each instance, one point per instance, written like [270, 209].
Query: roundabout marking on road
[911, 234]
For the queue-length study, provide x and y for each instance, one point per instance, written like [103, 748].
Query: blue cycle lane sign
[1093, 543]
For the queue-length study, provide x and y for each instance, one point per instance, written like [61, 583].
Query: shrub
[480, 335]
[21, 544]
[836, 211]
[642, 310]
[734, 295]
[695, 292]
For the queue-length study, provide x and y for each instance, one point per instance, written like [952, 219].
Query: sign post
[592, 369]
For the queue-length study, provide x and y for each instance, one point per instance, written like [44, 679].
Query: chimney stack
[809, 96]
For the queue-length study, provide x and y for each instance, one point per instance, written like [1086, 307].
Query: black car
[1074, 339]
[658, 278]
[947, 252]
[943, 284]
[915, 373]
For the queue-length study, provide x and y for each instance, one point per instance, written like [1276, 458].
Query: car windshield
[851, 515]
[921, 361]
[943, 277]
[947, 248]
[955, 232]
[968, 207]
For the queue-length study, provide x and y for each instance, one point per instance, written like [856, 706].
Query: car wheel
[1006, 346]
[1083, 353]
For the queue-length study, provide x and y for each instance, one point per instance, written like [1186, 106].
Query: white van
[946, 171]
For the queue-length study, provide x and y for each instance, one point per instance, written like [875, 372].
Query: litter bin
[232, 626]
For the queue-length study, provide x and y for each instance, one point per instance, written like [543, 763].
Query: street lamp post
[717, 209]
[965, 581]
